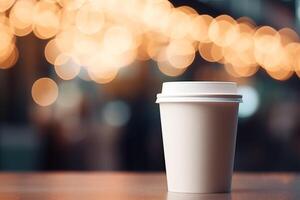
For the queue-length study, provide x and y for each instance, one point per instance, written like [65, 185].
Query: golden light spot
[142, 52]
[21, 17]
[22, 32]
[84, 45]
[102, 74]
[267, 44]
[132, 8]
[46, 19]
[118, 40]
[230, 70]
[166, 68]
[51, 51]
[105, 58]
[241, 53]
[288, 35]
[44, 91]
[210, 52]
[199, 28]
[292, 51]
[86, 48]
[245, 43]
[188, 10]
[217, 53]
[247, 71]
[89, 20]
[66, 67]
[43, 31]
[246, 28]
[65, 40]
[7, 41]
[180, 53]
[246, 20]
[155, 15]
[11, 58]
[223, 30]
[6, 4]
[7, 52]
[179, 24]
[68, 18]
[268, 50]
[241, 71]
[124, 59]
[265, 30]
[281, 74]
[156, 48]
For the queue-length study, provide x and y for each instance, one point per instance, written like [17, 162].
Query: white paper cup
[199, 121]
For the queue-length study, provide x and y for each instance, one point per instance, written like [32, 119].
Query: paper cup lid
[199, 91]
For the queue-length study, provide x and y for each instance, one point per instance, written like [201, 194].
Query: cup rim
[199, 99]
[215, 95]
[202, 82]
[192, 91]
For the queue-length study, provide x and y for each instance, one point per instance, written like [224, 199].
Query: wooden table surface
[138, 186]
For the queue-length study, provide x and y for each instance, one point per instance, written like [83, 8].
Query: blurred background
[79, 79]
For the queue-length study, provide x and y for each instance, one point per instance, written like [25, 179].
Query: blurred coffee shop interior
[79, 79]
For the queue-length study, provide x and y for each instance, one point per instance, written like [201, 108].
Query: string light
[163, 33]
[104, 36]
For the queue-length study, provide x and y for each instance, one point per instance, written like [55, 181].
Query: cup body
[199, 137]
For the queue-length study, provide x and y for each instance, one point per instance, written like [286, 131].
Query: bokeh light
[118, 40]
[102, 74]
[46, 19]
[210, 52]
[250, 101]
[10, 60]
[104, 36]
[178, 25]
[288, 35]
[89, 20]
[21, 17]
[44, 91]
[7, 41]
[223, 30]
[116, 113]
[180, 53]
[51, 51]
[66, 67]
[281, 74]
[200, 27]
[166, 68]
